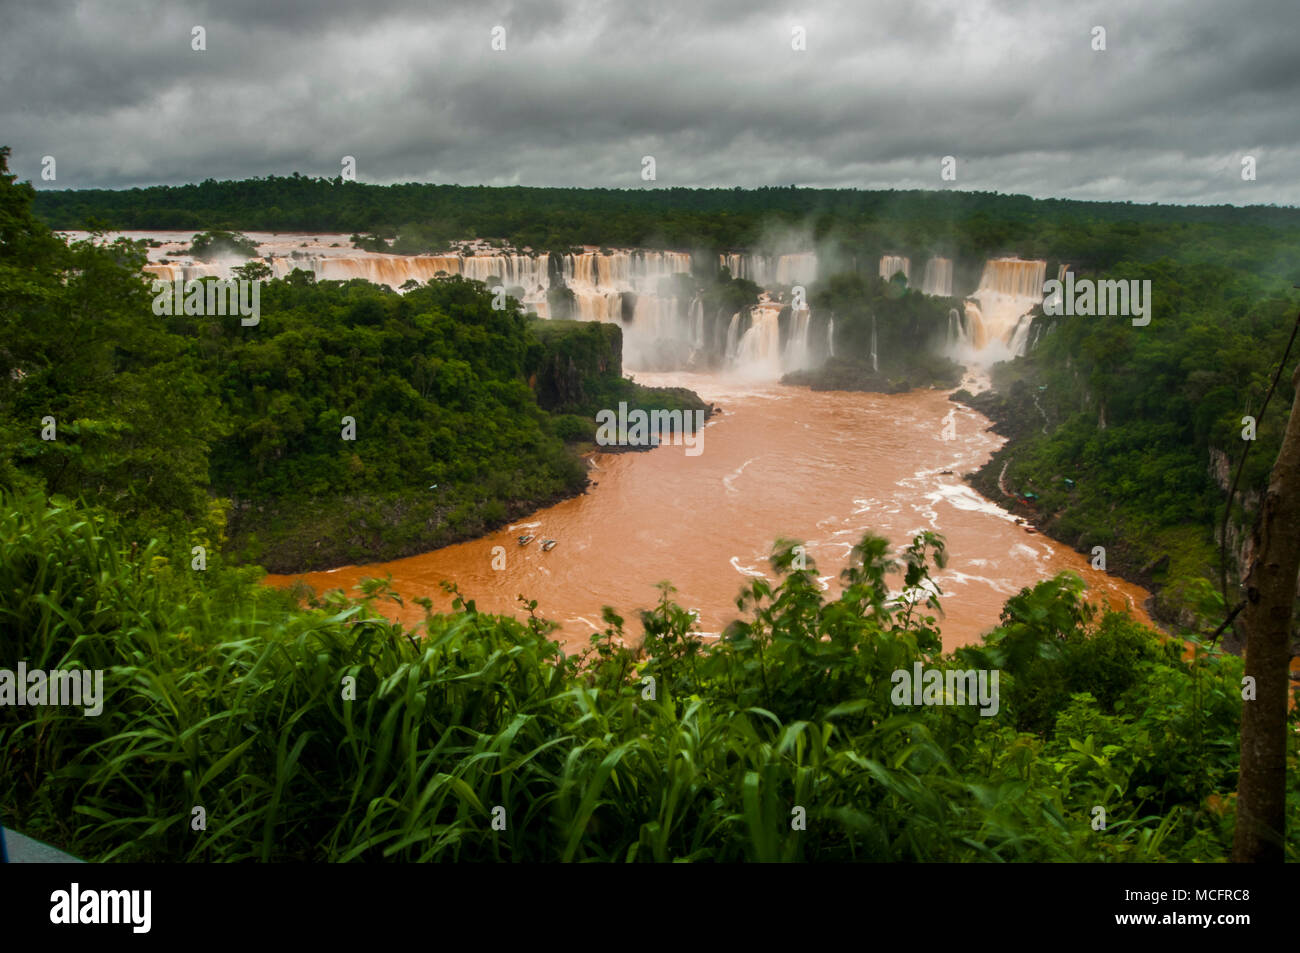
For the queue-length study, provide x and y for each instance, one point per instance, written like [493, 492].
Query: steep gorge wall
[572, 359]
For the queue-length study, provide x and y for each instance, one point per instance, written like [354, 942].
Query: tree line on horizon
[964, 224]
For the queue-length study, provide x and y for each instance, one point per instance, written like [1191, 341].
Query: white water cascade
[891, 265]
[938, 278]
[798, 352]
[759, 351]
[695, 315]
[956, 329]
[648, 293]
[771, 270]
[996, 325]
[733, 334]
[875, 366]
[394, 271]
[1056, 298]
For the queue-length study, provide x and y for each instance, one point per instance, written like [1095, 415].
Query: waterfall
[188, 271]
[1019, 338]
[938, 278]
[956, 331]
[1057, 295]
[664, 327]
[732, 329]
[798, 349]
[391, 270]
[830, 337]
[997, 313]
[758, 352]
[799, 268]
[168, 272]
[1014, 277]
[875, 366]
[974, 333]
[891, 265]
[663, 330]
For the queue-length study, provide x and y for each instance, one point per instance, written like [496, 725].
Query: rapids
[778, 461]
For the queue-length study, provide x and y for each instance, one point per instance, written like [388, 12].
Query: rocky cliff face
[1240, 547]
[571, 356]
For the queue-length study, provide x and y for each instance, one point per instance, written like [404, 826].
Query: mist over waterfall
[768, 270]
[798, 351]
[661, 300]
[655, 297]
[661, 323]
[758, 351]
[996, 324]
[938, 278]
[956, 328]
[650, 294]
[666, 329]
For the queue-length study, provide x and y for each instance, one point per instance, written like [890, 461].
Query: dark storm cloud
[710, 88]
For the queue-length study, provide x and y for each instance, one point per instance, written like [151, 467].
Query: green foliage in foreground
[221, 695]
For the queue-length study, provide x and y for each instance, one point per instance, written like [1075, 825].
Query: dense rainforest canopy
[974, 224]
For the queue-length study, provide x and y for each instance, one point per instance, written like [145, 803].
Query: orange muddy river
[777, 461]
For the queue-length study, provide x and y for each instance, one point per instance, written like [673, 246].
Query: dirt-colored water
[777, 461]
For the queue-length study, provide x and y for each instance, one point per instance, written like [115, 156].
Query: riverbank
[1018, 416]
[295, 536]
[289, 535]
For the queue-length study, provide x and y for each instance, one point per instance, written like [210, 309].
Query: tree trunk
[1270, 605]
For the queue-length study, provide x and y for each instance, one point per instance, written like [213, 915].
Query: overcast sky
[711, 88]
